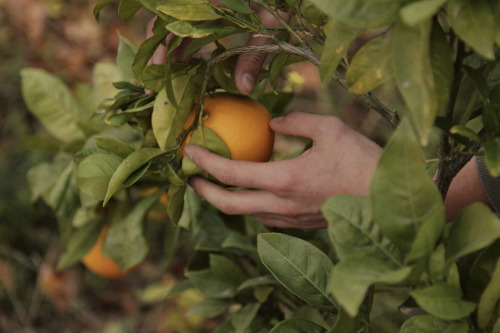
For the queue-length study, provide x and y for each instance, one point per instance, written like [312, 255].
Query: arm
[465, 189]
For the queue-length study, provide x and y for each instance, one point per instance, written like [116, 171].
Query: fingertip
[246, 84]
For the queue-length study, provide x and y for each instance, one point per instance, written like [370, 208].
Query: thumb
[299, 124]
[249, 65]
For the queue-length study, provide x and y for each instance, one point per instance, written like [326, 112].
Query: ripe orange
[241, 122]
[100, 265]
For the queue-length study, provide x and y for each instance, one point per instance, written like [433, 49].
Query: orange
[241, 122]
[100, 265]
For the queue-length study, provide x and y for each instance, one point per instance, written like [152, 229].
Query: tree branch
[282, 47]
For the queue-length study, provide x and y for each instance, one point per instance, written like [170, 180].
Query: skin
[289, 193]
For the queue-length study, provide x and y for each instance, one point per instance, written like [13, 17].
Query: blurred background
[64, 38]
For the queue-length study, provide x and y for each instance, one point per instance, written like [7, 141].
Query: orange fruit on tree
[99, 264]
[241, 122]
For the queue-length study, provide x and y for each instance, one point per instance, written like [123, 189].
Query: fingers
[239, 173]
[238, 202]
[300, 124]
[264, 206]
[249, 65]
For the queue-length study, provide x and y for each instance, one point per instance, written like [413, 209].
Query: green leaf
[94, 173]
[443, 301]
[167, 118]
[176, 193]
[145, 52]
[209, 308]
[473, 22]
[240, 6]
[296, 325]
[114, 146]
[125, 242]
[220, 280]
[128, 8]
[431, 324]
[103, 76]
[371, 66]
[242, 319]
[414, 75]
[492, 156]
[490, 298]
[442, 65]
[51, 102]
[339, 37]
[353, 231]
[42, 177]
[199, 10]
[481, 271]
[99, 6]
[361, 13]
[78, 244]
[187, 29]
[437, 264]
[299, 266]
[205, 137]
[346, 324]
[406, 204]
[125, 56]
[466, 132]
[127, 167]
[419, 11]
[474, 228]
[496, 15]
[353, 276]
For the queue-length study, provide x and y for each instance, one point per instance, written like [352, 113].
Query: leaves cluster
[122, 134]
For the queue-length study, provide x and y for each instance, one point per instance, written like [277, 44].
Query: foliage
[122, 133]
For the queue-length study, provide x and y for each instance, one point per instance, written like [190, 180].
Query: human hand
[248, 65]
[289, 193]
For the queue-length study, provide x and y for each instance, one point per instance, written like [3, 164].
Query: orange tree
[387, 262]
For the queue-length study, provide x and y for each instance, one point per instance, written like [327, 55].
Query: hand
[248, 65]
[289, 193]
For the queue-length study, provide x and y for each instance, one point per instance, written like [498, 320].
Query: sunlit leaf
[94, 173]
[474, 228]
[474, 23]
[406, 204]
[414, 76]
[339, 37]
[372, 65]
[443, 301]
[127, 167]
[419, 11]
[488, 303]
[51, 102]
[199, 10]
[125, 56]
[168, 117]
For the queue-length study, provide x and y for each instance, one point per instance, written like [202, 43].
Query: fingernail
[188, 152]
[248, 83]
[276, 120]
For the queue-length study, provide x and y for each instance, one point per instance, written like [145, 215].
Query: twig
[282, 47]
